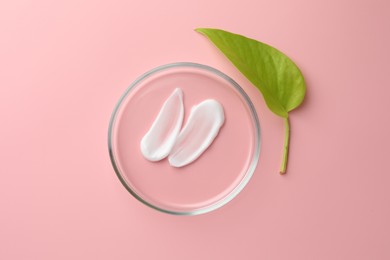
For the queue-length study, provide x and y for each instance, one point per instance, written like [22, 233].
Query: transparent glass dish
[218, 175]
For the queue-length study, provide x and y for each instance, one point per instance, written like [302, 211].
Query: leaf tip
[199, 30]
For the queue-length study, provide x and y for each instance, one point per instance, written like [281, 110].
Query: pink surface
[64, 64]
[216, 173]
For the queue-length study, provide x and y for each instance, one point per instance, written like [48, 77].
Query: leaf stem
[285, 147]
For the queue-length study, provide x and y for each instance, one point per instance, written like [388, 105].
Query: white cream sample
[161, 137]
[202, 127]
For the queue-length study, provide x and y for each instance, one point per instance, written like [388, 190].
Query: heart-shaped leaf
[276, 76]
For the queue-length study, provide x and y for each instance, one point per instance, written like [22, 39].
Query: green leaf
[273, 73]
[276, 76]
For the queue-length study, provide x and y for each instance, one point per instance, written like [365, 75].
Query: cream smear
[183, 147]
[159, 140]
[202, 127]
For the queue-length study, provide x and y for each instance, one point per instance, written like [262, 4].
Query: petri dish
[218, 175]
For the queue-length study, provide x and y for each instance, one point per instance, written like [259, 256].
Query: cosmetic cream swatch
[183, 147]
[162, 135]
[202, 127]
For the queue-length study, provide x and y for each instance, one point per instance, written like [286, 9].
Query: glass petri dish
[218, 175]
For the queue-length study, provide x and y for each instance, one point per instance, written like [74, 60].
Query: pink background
[63, 66]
